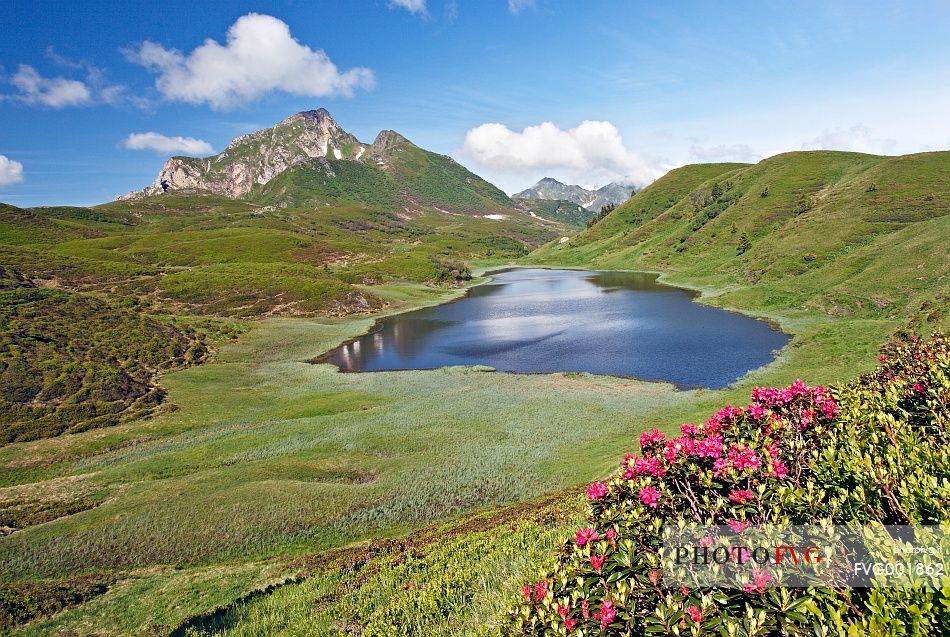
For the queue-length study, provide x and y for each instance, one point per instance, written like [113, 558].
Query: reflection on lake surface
[534, 320]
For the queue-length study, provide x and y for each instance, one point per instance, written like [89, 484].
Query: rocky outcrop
[258, 157]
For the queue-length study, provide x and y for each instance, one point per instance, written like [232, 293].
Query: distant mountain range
[592, 200]
[309, 159]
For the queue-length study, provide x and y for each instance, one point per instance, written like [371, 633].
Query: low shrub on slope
[70, 362]
[874, 451]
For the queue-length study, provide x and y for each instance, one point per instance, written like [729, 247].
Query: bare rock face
[258, 157]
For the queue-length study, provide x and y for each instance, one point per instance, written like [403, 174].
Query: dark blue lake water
[537, 320]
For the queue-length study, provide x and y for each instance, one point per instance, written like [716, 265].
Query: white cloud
[260, 56]
[592, 153]
[167, 145]
[11, 172]
[517, 6]
[60, 92]
[720, 153]
[56, 92]
[413, 6]
[858, 139]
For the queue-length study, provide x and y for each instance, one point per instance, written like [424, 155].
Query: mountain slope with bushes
[71, 362]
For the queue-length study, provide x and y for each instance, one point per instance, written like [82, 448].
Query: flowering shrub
[874, 450]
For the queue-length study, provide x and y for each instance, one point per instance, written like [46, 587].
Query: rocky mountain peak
[256, 158]
[388, 140]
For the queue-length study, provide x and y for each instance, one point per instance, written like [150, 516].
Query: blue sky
[516, 90]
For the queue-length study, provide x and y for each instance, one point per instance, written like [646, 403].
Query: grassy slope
[409, 177]
[294, 458]
[72, 362]
[565, 212]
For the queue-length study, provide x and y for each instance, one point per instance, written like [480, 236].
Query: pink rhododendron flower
[920, 388]
[649, 466]
[739, 458]
[651, 437]
[611, 537]
[710, 447]
[654, 577]
[606, 613]
[739, 554]
[678, 446]
[596, 491]
[650, 496]
[570, 623]
[540, 590]
[585, 609]
[740, 496]
[597, 561]
[625, 465]
[807, 417]
[738, 526]
[694, 613]
[799, 388]
[726, 413]
[526, 591]
[755, 410]
[584, 536]
[688, 429]
[712, 426]
[743, 458]
[760, 580]
[706, 541]
[828, 406]
[563, 610]
[778, 469]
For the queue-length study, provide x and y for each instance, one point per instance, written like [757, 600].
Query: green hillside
[428, 178]
[406, 177]
[565, 212]
[843, 234]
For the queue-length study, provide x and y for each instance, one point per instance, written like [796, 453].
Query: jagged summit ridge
[257, 158]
